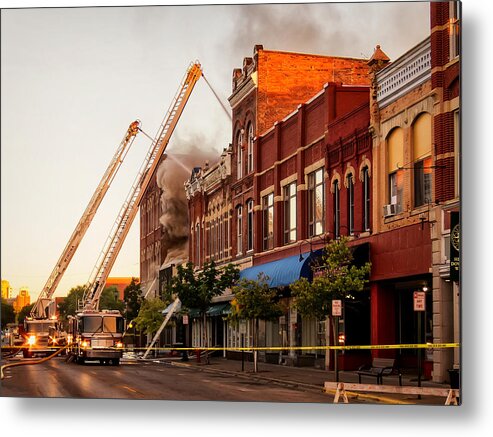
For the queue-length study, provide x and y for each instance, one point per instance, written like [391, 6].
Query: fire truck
[43, 333]
[98, 334]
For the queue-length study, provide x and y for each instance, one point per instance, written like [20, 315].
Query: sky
[74, 78]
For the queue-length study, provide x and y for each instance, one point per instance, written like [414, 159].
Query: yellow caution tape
[281, 348]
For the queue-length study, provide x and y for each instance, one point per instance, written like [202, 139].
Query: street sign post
[337, 308]
[419, 303]
[419, 300]
[336, 312]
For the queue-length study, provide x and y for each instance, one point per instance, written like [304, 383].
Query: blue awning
[283, 272]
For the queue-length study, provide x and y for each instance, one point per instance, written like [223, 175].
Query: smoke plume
[171, 176]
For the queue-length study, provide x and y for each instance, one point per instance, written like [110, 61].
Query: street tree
[109, 300]
[150, 316]
[24, 312]
[7, 313]
[336, 278]
[69, 305]
[255, 301]
[196, 289]
[132, 296]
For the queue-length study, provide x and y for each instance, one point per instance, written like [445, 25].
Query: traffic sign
[185, 319]
[419, 301]
[337, 308]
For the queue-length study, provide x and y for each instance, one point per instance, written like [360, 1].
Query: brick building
[373, 155]
[152, 252]
[445, 82]
[415, 126]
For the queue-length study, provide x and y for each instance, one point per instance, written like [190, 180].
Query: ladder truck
[98, 334]
[42, 330]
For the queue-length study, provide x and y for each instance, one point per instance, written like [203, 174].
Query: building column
[382, 303]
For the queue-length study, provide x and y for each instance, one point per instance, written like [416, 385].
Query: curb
[247, 375]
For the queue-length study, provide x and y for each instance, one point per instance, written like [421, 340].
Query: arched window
[197, 244]
[239, 230]
[350, 202]
[239, 153]
[422, 159]
[289, 213]
[250, 148]
[395, 147]
[268, 221]
[366, 198]
[250, 225]
[336, 209]
[316, 203]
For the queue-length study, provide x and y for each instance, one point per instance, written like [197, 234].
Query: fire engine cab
[97, 335]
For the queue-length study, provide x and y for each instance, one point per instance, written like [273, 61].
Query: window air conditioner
[389, 210]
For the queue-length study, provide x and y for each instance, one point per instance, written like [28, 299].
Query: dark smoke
[171, 176]
[349, 29]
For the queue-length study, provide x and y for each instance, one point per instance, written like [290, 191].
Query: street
[141, 380]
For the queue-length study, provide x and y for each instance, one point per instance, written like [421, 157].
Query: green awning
[218, 309]
[213, 311]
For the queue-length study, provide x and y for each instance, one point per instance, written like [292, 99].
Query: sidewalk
[309, 378]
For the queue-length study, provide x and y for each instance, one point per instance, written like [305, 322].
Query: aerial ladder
[42, 331]
[102, 340]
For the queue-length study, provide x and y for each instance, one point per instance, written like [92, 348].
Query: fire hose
[28, 363]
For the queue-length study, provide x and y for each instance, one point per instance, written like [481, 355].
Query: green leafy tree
[337, 278]
[150, 315]
[196, 289]
[7, 313]
[71, 302]
[24, 312]
[109, 300]
[254, 300]
[132, 296]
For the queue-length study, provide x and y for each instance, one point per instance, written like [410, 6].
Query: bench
[379, 368]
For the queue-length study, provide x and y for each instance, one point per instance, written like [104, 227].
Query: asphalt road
[141, 380]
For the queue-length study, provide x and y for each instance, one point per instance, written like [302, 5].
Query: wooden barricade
[341, 387]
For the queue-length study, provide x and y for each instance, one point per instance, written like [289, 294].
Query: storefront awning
[214, 310]
[168, 308]
[283, 272]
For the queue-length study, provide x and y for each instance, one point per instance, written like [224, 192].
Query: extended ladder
[39, 308]
[165, 322]
[123, 222]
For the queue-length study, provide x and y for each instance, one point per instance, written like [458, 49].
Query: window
[250, 148]
[395, 147]
[457, 153]
[422, 159]
[239, 153]
[316, 203]
[366, 199]
[337, 210]
[454, 30]
[197, 244]
[290, 213]
[239, 230]
[250, 225]
[268, 221]
[350, 202]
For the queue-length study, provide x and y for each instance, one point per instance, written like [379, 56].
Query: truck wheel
[27, 354]
[115, 361]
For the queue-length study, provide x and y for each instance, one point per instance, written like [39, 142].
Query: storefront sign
[337, 308]
[419, 301]
[454, 246]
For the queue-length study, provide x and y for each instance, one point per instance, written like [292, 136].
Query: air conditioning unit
[389, 210]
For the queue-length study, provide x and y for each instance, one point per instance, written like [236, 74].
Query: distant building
[23, 299]
[6, 289]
